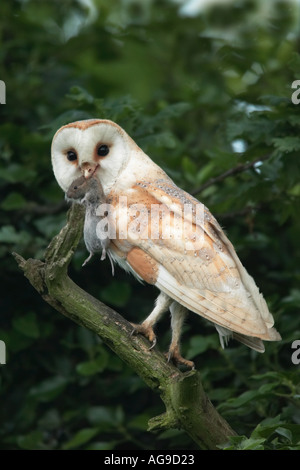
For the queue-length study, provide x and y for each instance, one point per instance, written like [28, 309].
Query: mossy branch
[187, 406]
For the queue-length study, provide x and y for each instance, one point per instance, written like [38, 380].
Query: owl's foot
[146, 331]
[174, 356]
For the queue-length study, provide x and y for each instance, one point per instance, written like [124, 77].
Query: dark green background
[186, 88]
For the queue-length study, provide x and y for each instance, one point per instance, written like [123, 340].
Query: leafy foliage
[201, 94]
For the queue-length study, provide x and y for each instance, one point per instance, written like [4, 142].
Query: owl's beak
[88, 169]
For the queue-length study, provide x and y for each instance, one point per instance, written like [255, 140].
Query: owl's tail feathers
[250, 341]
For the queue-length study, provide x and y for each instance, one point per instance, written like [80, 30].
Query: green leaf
[81, 437]
[50, 225]
[244, 443]
[242, 400]
[27, 325]
[293, 299]
[105, 417]
[13, 201]
[101, 445]
[32, 441]
[199, 344]
[294, 62]
[234, 442]
[8, 234]
[48, 389]
[189, 166]
[80, 95]
[93, 367]
[287, 144]
[140, 422]
[16, 173]
[88, 340]
[252, 444]
[282, 431]
[162, 139]
[15, 341]
[173, 111]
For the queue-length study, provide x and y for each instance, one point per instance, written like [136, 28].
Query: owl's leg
[162, 304]
[178, 314]
[88, 259]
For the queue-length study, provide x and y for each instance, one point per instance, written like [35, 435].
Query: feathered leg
[178, 314]
[162, 304]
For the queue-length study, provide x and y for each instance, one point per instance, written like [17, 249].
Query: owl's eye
[102, 150]
[71, 155]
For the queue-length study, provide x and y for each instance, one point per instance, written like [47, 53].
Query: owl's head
[93, 147]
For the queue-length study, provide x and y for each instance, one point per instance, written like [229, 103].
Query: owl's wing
[185, 253]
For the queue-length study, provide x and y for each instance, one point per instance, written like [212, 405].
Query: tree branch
[232, 171]
[187, 406]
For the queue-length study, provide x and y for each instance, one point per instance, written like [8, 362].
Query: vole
[89, 192]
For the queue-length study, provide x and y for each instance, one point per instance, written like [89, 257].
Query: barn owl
[164, 237]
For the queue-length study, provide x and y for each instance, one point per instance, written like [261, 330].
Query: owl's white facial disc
[99, 143]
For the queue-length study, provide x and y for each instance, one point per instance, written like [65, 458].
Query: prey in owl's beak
[89, 169]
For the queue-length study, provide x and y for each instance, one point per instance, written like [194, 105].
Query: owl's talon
[153, 344]
[146, 331]
[174, 356]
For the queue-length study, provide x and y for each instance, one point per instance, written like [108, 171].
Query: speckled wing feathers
[209, 280]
